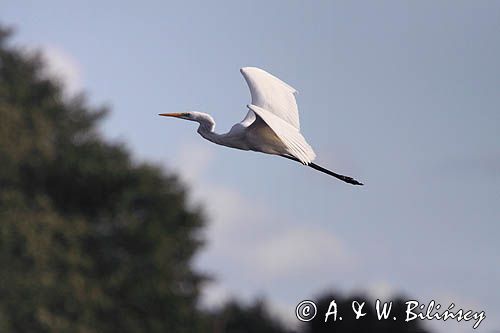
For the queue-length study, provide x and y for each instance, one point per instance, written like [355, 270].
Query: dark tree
[237, 318]
[89, 240]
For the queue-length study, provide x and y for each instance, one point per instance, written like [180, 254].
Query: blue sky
[404, 96]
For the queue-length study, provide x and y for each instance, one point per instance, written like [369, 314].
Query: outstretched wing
[272, 94]
[274, 102]
[294, 142]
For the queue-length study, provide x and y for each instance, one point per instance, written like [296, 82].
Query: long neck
[231, 139]
[207, 128]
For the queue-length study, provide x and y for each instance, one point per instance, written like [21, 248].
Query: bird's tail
[346, 179]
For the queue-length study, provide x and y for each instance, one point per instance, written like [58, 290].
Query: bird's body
[271, 125]
[252, 133]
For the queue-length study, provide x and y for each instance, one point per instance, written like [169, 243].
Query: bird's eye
[187, 115]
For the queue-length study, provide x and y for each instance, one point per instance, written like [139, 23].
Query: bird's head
[203, 119]
[181, 115]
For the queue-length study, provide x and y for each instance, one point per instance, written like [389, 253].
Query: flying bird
[271, 125]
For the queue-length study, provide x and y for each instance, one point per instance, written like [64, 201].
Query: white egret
[271, 125]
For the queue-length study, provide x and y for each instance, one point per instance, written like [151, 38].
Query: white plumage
[272, 94]
[274, 101]
[271, 125]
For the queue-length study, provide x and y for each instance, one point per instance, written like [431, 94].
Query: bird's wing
[272, 94]
[295, 143]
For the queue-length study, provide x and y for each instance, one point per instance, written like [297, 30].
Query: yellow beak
[171, 114]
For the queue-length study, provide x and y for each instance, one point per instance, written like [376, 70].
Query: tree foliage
[234, 317]
[90, 241]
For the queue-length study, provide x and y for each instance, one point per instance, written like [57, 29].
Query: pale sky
[404, 96]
